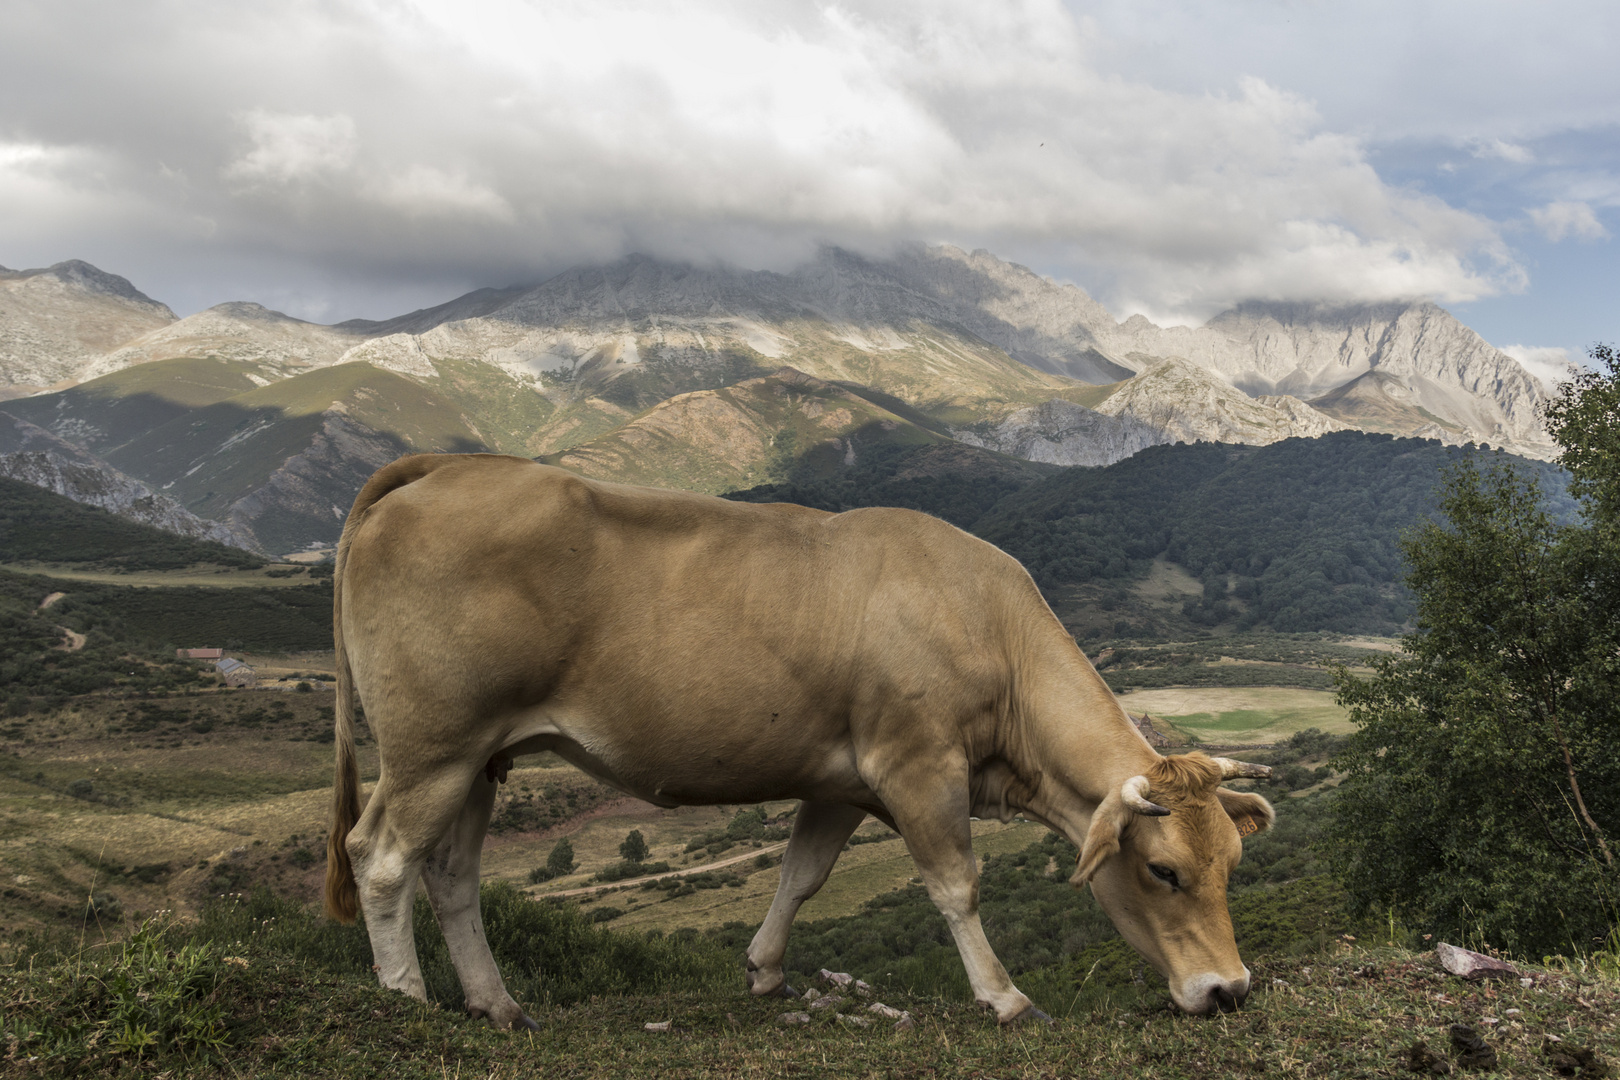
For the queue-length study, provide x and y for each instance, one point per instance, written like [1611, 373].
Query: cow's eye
[1165, 874]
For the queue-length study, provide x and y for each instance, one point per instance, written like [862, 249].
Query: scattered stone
[888, 1012]
[811, 994]
[1527, 982]
[1472, 1051]
[837, 978]
[1567, 1059]
[905, 1023]
[827, 1001]
[1473, 965]
[662, 1025]
[863, 989]
[1513, 1012]
[855, 1021]
[793, 1018]
[1489, 1021]
[1420, 1059]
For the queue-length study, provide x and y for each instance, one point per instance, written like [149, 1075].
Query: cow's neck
[1065, 746]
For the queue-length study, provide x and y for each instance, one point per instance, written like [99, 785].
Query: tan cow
[690, 650]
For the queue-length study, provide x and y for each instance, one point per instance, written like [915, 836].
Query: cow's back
[695, 645]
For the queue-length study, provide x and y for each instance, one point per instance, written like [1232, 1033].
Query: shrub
[561, 859]
[634, 848]
[621, 870]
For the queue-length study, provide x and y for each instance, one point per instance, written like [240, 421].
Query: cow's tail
[342, 895]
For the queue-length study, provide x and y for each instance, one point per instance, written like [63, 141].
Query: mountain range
[259, 427]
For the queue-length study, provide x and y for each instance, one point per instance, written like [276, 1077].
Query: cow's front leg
[819, 833]
[929, 803]
[451, 875]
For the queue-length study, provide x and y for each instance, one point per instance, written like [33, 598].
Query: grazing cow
[691, 651]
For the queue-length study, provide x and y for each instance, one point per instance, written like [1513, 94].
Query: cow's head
[1158, 854]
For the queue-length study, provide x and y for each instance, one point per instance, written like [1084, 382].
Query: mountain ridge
[609, 368]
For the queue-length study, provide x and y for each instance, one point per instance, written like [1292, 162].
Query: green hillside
[220, 453]
[1302, 535]
[767, 428]
[104, 414]
[41, 526]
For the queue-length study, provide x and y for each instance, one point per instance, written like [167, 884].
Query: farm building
[199, 654]
[236, 673]
[1153, 735]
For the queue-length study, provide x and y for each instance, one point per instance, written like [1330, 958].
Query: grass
[293, 998]
[1240, 715]
[297, 997]
[213, 577]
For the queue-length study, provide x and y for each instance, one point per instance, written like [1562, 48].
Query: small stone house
[236, 673]
[1154, 736]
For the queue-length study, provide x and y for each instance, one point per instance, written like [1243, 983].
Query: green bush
[622, 870]
[558, 864]
[634, 848]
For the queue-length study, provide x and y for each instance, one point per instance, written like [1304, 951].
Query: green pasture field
[272, 575]
[1239, 715]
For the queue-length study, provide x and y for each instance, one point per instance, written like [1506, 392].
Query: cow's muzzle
[1209, 994]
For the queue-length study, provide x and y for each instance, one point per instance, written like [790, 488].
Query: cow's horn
[1233, 770]
[1133, 793]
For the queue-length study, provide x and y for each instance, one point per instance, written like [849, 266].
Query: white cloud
[1549, 364]
[1501, 150]
[499, 139]
[1562, 220]
[288, 148]
[423, 191]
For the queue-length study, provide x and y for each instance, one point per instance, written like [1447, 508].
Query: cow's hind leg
[402, 823]
[819, 832]
[930, 806]
[451, 874]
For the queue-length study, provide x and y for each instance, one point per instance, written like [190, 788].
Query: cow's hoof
[1030, 1015]
[759, 984]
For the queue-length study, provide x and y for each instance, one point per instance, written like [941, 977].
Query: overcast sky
[343, 158]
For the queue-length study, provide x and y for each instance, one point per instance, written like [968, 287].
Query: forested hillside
[61, 637]
[1301, 535]
[40, 526]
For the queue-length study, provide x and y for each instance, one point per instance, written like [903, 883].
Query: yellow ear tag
[1246, 825]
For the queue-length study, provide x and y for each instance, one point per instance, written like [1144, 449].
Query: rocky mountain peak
[80, 275]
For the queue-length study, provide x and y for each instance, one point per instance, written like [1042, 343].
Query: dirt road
[751, 853]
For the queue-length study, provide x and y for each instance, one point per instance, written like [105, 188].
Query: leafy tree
[1482, 790]
[634, 848]
[561, 859]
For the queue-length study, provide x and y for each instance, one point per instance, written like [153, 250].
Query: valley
[1213, 513]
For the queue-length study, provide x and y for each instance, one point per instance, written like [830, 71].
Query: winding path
[751, 853]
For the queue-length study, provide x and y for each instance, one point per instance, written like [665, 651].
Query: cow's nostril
[1225, 1000]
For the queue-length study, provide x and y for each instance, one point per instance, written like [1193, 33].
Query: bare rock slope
[56, 323]
[35, 456]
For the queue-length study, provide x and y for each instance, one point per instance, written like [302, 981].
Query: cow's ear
[1102, 839]
[1251, 813]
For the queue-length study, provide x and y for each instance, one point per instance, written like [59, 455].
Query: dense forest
[1302, 535]
[40, 526]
